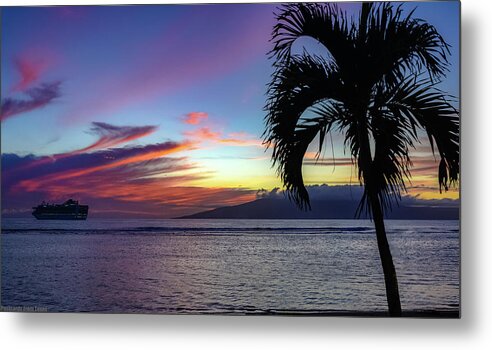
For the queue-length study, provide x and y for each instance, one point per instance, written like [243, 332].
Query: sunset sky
[158, 110]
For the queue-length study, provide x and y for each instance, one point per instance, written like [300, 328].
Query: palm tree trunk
[366, 165]
[390, 278]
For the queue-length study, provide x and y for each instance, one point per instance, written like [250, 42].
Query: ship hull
[46, 216]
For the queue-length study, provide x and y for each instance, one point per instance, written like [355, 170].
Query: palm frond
[322, 22]
[396, 45]
[297, 85]
[289, 154]
[421, 105]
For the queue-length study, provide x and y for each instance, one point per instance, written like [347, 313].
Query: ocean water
[225, 266]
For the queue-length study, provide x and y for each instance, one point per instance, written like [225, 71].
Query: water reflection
[254, 266]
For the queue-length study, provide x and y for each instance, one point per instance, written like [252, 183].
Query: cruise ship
[70, 210]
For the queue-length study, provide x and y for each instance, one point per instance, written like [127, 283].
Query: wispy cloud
[421, 165]
[113, 135]
[203, 134]
[312, 160]
[38, 97]
[108, 136]
[241, 139]
[206, 134]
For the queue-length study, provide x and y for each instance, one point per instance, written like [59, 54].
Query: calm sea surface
[231, 266]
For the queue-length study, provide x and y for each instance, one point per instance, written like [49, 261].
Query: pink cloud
[195, 118]
[207, 134]
[31, 65]
[29, 71]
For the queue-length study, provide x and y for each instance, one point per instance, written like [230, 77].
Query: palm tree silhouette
[377, 87]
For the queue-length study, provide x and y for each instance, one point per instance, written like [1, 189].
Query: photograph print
[231, 159]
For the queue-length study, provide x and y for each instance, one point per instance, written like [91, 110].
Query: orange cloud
[140, 181]
[241, 139]
[141, 154]
[195, 118]
[205, 134]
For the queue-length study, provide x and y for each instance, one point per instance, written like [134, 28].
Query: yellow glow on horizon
[257, 174]
[434, 193]
[241, 173]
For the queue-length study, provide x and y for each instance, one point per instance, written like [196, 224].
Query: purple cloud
[39, 97]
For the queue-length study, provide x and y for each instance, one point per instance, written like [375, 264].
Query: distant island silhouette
[339, 206]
